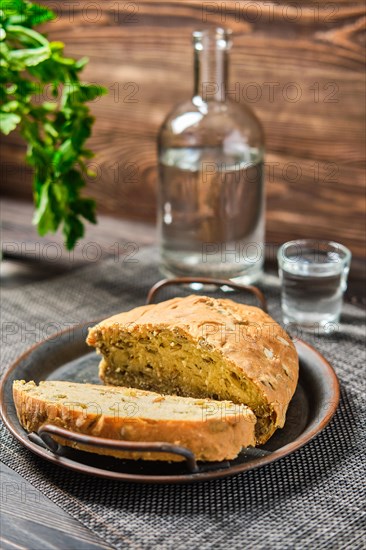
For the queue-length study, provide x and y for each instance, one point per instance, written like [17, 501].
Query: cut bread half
[212, 430]
[202, 347]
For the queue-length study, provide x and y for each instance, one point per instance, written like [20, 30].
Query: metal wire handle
[207, 281]
[47, 430]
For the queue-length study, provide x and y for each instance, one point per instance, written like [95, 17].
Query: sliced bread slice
[212, 430]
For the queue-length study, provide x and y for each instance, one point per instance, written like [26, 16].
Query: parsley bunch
[55, 130]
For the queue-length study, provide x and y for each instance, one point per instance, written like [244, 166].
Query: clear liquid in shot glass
[312, 288]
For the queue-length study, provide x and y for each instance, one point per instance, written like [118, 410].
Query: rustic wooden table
[25, 260]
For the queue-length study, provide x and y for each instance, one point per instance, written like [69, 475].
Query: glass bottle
[211, 176]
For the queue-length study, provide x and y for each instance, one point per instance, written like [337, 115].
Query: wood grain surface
[31, 521]
[300, 66]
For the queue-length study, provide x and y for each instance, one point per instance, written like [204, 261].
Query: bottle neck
[211, 61]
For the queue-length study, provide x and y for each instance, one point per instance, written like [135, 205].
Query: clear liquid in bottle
[211, 212]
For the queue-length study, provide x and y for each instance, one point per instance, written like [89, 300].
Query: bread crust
[210, 438]
[247, 338]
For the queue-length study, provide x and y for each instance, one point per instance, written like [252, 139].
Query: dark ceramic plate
[67, 357]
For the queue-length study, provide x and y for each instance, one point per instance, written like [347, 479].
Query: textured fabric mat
[311, 499]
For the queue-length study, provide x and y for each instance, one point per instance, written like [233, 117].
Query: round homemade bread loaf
[202, 347]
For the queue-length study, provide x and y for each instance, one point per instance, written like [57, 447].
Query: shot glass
[313, 278]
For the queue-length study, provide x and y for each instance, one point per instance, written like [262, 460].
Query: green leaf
[29, 57]
[49, 128]
[13, 7]
[80, 64]
[27, 36]
[38, 14]
[49, 106]
[86, 208]
[65, 157]
[10, 106]
[56, 46]
[73, 230]
[38, 157]
[73, 182]
[25, 12]
[64, 60]
[81, 131]
[47, 216]
[8, 122]
[89, 92]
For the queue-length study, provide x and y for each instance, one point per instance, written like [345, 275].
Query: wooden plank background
[300, 65]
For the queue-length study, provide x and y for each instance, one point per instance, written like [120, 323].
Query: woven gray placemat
[311, 499]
